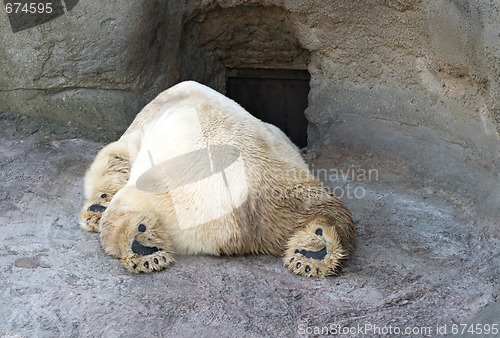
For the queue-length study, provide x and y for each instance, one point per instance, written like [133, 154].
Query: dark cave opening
[276, 96]
[251, 54]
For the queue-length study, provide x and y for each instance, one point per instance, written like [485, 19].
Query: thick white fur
[187, 123]
[262, 200]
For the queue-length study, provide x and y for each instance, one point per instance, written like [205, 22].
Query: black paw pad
[314, 254]
[308, 268]
[143, 250]
[298, 265]
[155, 260]
[319, 232]
[141, 228]
[146, 265]
[96, 208]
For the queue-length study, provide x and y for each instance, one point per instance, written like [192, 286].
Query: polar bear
[197, 174]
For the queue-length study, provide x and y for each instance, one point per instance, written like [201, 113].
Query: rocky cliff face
[404, 116]
[413, 81]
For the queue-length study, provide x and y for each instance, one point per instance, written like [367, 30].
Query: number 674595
[28, 8]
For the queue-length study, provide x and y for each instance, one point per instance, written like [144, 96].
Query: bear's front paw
[90, 217]
[314, 252]
[146, 259]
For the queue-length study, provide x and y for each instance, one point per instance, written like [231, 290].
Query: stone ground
[421, 263]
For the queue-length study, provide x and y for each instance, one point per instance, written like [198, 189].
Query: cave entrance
[251, 53]
[276, 96]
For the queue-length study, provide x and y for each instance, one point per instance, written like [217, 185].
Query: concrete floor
[421, 264]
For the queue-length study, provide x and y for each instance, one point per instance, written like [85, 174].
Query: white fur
[194, 119]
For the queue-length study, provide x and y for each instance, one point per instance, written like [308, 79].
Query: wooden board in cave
[274, 96]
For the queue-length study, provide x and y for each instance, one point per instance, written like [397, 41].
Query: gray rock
[92, 66]
[139, 48]
[486, 323]
[408, 89]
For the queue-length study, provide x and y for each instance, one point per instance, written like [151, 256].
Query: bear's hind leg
[148, 251]
[315, 250]
[138, 239]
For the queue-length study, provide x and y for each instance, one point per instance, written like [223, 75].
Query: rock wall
[93, 66]
[413, 81]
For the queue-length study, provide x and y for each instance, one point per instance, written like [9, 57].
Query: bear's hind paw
[314, 252]
[155, 261]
